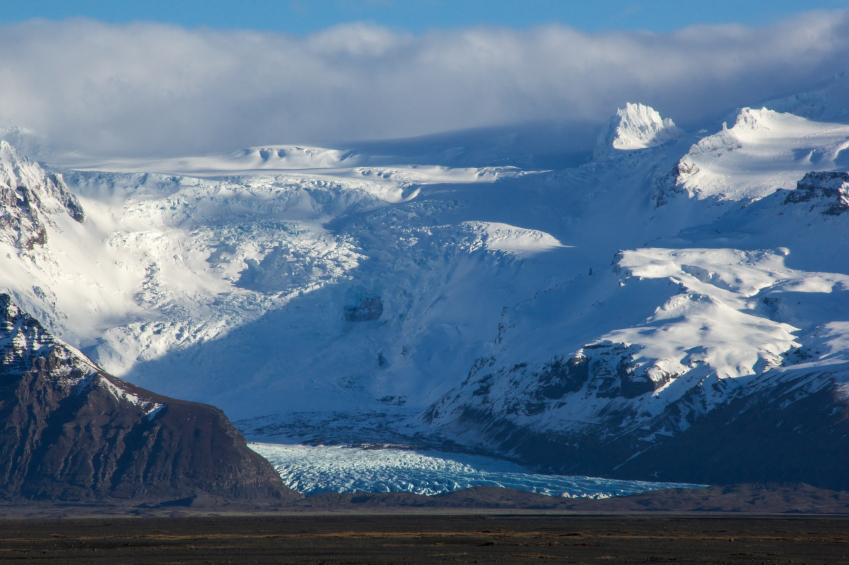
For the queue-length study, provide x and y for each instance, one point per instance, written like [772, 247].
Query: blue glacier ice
[319, 469]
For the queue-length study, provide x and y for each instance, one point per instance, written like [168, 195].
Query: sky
[159, 78]
[302, 17]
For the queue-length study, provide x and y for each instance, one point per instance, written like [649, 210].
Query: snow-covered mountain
[583, 320]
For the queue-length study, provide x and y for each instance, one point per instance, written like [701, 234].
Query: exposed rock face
[604, 370]
[669, 185]
[28, 197]
[827, 190]
[72, 432]
[559, 378]
[785, 428]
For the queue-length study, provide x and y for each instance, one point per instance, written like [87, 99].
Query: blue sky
[301, 17]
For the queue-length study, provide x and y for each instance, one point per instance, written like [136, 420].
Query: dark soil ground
[430, 538]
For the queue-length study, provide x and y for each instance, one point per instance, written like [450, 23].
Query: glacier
[319, 469]
[581, 320]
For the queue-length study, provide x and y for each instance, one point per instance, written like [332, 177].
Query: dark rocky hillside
[72, 432]
[791, 428]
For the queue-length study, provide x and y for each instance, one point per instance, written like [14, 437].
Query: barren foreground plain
[430, 538]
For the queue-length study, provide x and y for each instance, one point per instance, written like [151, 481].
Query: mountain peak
[25, 142]
[635, 126]
[8, 153]
[29, 196]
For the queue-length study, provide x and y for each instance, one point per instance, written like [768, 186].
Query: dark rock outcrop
[72, 432]
[559, 378]
[366, 310]
[828, 188]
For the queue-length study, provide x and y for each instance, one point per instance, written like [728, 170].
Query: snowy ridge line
[23, 340]
[827, 104]
[150, 408]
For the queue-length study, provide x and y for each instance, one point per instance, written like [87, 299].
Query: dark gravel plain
[430, 538]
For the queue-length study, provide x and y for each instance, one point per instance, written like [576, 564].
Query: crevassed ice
[314, 470]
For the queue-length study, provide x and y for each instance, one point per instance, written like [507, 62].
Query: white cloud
[151, 88]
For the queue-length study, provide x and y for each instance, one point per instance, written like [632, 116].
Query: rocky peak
[635, 127]
[28, 197]
[23, 340]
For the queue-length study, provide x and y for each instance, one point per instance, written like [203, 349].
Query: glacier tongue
[317, 469]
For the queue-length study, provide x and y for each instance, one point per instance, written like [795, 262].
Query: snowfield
[762, 151]
[574, 319]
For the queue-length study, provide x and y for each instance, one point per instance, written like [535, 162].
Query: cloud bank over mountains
[154, 89]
